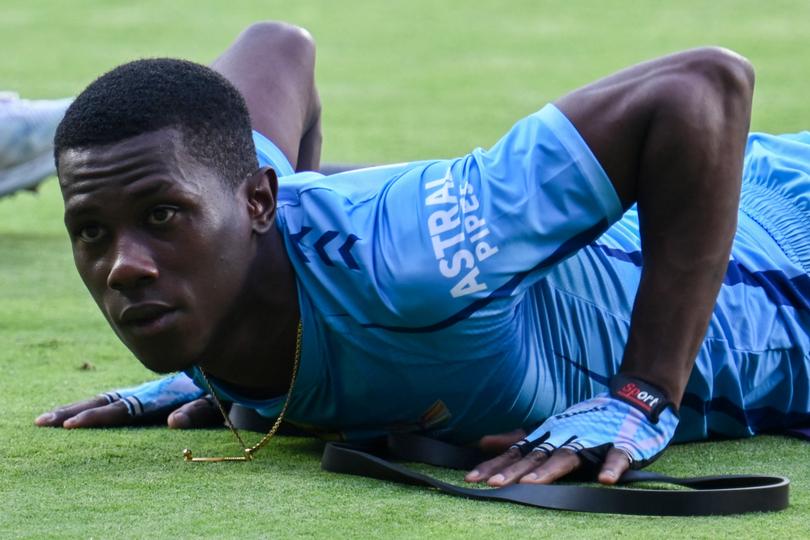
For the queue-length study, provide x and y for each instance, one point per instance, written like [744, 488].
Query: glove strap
[645, 397]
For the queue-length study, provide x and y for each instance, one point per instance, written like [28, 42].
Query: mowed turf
[399, 81]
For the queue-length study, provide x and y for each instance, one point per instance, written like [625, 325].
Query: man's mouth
[147, 318]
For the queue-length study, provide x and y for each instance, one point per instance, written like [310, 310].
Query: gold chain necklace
[248, 452]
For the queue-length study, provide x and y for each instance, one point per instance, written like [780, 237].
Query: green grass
[399, 80]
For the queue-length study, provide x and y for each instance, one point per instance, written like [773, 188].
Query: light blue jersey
[472, 296]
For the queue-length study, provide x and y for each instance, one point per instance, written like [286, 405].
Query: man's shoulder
[350, 188]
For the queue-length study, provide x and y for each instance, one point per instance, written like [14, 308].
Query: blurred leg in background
[27, 128]
[26, 140]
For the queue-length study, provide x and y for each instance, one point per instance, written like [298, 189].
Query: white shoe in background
[27, 128]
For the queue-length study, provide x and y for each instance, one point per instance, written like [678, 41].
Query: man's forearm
[688, 200]
[671, 135]
[688, 215]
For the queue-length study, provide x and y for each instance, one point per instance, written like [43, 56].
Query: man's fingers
[199, 413]
[561, 463]
[616, 463]
[58, 416]
[513, 473]
[537, 468]
[493, 466]
[114, 414]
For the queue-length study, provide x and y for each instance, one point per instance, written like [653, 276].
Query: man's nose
[133, 265]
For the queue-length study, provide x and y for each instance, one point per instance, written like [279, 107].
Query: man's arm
[671, 135]
[272, 64]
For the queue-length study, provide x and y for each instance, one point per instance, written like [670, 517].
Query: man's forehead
[130, 169]
[162, 147]
[93, 196]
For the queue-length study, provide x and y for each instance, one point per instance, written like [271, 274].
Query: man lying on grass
[592, 283]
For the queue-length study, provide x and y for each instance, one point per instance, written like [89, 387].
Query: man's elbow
[727, 71]
[282, 37]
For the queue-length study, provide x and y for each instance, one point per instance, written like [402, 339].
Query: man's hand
[175, 398]
[627, 428]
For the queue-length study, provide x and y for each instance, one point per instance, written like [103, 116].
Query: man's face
[161, 244]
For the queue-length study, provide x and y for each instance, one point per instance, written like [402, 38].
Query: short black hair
[152, 94]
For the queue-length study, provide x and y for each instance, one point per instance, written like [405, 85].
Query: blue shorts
[776, 191]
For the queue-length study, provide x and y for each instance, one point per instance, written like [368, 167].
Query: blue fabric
[270, 155]
[777, 194]
[412, 281]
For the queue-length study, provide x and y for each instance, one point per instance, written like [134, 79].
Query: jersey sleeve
[487, 225]
[269, 155]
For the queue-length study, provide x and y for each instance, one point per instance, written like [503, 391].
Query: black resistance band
[709, 495]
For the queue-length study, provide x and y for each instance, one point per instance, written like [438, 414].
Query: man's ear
[262, 189]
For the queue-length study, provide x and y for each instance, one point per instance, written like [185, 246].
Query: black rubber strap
[710, 495]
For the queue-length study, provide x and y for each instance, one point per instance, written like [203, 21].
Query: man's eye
[161, 215]
[91, 233]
